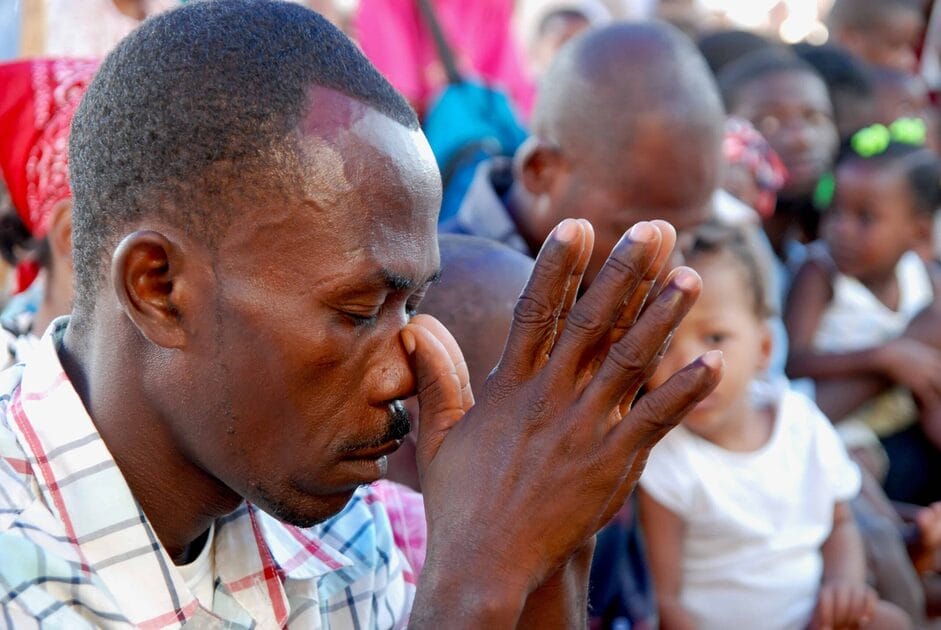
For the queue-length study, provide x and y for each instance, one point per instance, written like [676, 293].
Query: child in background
[860, 288]
[744, 504]
[883, 33]
[788, 103]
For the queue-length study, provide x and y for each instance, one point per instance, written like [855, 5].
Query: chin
[303, 510]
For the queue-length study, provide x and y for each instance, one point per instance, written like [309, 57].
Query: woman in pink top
[394, 36]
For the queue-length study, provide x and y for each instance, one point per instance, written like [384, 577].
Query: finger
[869, 607]
[856, 608]
[652, 279]
[442, 334]
[633, 306]
[532, 332]
[439, 384]
[628, 360]
[575, 280]
[661, 409]
[824, 614]
[842, 607]
[592, 317]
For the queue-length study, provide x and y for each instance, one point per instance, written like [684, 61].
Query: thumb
[442, 382]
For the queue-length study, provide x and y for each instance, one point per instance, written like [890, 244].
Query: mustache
[399, 426]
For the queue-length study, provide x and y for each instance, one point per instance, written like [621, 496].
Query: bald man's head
[627, 127]
[480, 283]
[613, 78]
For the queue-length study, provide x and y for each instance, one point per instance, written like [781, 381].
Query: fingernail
[713, 359]
[642, 232]
[408, 340]
[686, 279]
[567, 231]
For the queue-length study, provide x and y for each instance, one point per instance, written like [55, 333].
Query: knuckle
[629, 355]
[652, 414]
[620, 265]
[583, 320]
[530, 311]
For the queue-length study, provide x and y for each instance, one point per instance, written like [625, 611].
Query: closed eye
[361, 321]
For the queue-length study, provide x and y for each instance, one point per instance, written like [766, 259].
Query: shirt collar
[483, 212]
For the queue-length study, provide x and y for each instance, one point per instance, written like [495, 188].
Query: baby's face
[723, 318]
[871, 223]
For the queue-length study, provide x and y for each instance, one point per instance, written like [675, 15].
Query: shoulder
[812, 434]
[671, 475]
[46, 580]
[817, 273]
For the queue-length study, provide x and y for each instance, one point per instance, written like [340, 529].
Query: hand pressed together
[519, 481]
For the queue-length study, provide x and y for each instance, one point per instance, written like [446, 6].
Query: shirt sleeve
[669, 476]
[841, 473]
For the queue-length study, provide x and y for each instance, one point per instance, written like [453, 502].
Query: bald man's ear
[146, 271]
[538, 165]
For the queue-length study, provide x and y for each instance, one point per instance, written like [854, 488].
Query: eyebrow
[397, 282]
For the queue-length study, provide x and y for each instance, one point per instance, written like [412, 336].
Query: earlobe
[145, 272]
[766, 347]
[538, 164]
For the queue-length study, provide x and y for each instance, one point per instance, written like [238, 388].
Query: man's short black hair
[720, 48]
[849, 82]
[755, 66]
[189, 103]
[867, 15]
[844, 74]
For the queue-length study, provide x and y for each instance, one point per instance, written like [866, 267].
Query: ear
[765, 347]
[146, 272]
[538, 165]
[60, 233]
[924, 229]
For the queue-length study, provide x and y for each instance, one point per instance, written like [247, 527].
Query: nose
[391, 373]
[799, 136]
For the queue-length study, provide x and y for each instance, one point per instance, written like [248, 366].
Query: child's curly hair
[715, 238]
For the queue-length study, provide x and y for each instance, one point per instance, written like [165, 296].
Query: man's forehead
[346, 145]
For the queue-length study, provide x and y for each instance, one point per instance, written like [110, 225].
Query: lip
[375, 452]
[805, 166]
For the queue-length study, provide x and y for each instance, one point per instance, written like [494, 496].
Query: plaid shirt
[76, 550]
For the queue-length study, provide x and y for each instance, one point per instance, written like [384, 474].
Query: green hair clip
[874, 139]
[870, 142]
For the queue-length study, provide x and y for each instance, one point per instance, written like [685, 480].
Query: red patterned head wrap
[37, 101]
[745, 146]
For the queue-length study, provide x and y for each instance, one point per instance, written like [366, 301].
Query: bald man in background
[627, 127]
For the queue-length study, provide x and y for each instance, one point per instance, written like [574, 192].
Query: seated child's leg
[889, 566]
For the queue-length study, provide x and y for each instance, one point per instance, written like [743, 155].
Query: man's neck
[180, 500]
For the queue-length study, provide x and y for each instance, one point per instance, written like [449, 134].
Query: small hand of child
[843, 605]
[915, 366]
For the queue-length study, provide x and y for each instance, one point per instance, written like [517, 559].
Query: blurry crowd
[803, 182]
